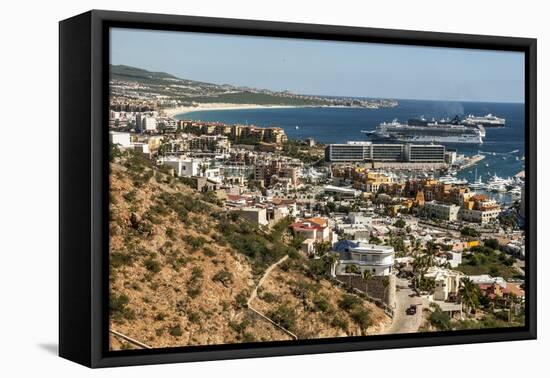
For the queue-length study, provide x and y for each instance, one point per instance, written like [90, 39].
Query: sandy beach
[171, 112]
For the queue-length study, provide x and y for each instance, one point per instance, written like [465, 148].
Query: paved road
[402, 322]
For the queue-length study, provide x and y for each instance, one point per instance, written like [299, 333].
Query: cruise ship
[422, 130]
[488, 120]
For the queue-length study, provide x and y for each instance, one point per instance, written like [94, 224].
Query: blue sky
[326, 67]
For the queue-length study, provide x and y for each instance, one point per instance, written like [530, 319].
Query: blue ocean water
[339, 125]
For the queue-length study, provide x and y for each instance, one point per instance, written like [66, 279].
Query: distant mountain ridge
[175, 88]
[129, 71]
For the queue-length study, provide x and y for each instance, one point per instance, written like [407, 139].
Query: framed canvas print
[234, 188]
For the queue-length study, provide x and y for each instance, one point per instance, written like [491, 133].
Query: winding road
[403, 322]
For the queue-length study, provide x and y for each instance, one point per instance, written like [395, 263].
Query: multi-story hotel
[371, 152]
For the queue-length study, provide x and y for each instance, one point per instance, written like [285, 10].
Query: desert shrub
[284, 315]
[118, 307]
[362, 317]
[248, 337]
[285, 265]
[195, 282]
[269, 297]
[152, 265]
[130, 196]
[175, 331]
[321, 304]
[193, 291]
[196, 273]
[194, 317]
[340, 323]
[208, 252]
[176, 260]
[220, 239]
[223, 276]
[301, 289]
[239, 327]
[118, 259]
[349, 301]
[181, 306]
[241, 299]
[170, 233]
[194, 242]
[160, 316]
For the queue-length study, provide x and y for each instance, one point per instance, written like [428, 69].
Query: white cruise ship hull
[467, 139]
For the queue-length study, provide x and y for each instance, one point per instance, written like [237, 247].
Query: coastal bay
[503, 147]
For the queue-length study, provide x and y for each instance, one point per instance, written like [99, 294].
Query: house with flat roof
[377, 259]
[313, 230]
[447, 282]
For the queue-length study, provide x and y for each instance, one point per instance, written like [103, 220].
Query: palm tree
[512, 302]
[367, 275]
[203, 168]
[330, 260]
[386, 284]
[351, 269]
[469, 294]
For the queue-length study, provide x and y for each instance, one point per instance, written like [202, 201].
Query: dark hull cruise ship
[423, 131]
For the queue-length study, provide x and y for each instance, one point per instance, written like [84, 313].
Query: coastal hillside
[184, 272]
[155, 85]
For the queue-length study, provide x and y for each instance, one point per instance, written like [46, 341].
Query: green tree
[322, 247]
[469, 295]
[469, 231]
[375, 240]
[439, 319]
[351, 269]
[492, 243]
[400, 223]
[367, 275]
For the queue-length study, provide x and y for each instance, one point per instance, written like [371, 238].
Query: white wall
[29, 35]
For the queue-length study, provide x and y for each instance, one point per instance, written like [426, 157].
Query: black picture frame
[83, 181]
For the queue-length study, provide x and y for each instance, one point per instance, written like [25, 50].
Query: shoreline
[172, 112]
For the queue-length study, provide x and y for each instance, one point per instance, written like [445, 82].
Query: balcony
[385, 262]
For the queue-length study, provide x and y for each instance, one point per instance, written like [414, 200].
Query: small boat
[516, 191]
[477, 184]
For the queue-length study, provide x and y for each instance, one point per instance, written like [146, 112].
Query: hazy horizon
[326, 68]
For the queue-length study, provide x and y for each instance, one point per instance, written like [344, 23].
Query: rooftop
[361, 246]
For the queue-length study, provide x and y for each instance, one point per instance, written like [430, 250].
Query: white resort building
[377, 259]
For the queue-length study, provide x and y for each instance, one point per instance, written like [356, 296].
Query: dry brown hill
[182, 270]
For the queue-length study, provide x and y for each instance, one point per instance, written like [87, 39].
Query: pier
[470, 161]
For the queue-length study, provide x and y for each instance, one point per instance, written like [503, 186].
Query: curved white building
[377, 259]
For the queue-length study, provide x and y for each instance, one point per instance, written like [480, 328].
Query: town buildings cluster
[356, 204]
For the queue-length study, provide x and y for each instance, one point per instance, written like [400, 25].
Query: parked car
[411, 310]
